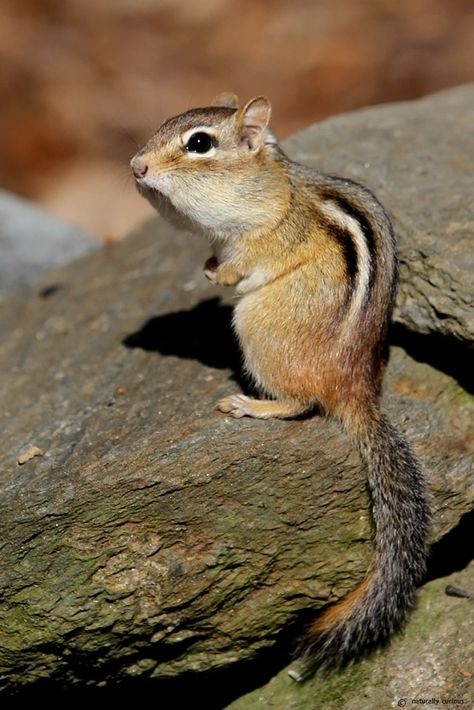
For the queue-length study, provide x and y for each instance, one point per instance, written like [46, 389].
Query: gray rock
[417, 157]
[144, 534]
[154, 536]
[33, 241]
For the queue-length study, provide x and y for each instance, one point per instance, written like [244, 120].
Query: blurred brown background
[83, 82]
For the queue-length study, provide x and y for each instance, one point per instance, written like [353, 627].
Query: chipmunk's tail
[377, 606]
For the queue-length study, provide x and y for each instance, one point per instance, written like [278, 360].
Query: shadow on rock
[202, 333]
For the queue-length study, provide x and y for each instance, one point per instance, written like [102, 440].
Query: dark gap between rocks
[447, 355]
[454, 551]
[212, 690]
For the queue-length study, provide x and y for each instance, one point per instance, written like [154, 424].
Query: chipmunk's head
[214, 168]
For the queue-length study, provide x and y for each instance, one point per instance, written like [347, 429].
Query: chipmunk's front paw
[224, 274]
[210, 269]
[237, 405]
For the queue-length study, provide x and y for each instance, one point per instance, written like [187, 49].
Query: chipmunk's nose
[139, 167]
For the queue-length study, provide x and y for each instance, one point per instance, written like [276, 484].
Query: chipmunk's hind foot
[239, 405]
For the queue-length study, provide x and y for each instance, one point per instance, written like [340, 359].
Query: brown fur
[339, 611]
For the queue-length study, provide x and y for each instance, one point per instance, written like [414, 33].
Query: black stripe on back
[345, 240]
[367, 230]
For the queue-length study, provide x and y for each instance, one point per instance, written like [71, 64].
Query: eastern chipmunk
[313, 259]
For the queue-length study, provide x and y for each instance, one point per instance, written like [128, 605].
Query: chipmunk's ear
[227, 100]
[255, 117]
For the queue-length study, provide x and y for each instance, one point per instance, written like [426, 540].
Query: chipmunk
[313, 260]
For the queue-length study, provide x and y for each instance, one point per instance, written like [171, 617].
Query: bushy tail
[375, 608]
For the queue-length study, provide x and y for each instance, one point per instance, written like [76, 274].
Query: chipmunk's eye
[200, 142]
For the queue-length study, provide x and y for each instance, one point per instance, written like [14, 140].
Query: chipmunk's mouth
[145, 189]
[152, 183]
[157, 197]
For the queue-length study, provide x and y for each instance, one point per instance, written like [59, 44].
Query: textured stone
[155, 535]
[155, 539]
[417, 157]
[431, 665]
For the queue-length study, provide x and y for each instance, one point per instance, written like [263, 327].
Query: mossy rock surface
[430, 665]
[156, 543]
